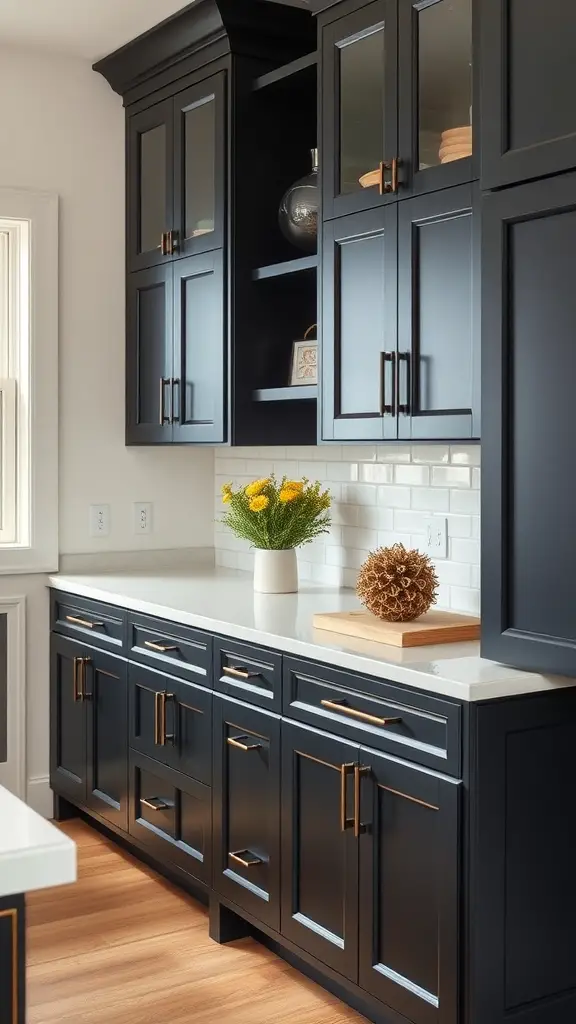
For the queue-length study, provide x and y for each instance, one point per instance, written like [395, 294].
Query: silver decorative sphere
[298, 214]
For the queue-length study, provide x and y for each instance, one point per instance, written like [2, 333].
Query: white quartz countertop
[222, 601]
[33, 853]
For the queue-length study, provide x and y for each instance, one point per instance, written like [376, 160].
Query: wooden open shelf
[297, 393]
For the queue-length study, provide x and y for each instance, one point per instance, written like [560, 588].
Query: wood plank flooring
[123, 946]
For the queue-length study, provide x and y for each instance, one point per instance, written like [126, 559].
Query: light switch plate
[99, 520]
[436, 537]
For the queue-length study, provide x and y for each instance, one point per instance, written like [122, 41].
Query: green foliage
[277, 515]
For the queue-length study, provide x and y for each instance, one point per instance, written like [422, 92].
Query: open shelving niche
[284, 286]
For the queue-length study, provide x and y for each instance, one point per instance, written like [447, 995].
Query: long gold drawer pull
[82, 675]
[163, 648]
[345, 771]
[238, 673]
[83, 622]
[363, 716]
[243, 861]
[76, 681]
[163, 734]
[242, 746]
[359, 771]
[154, 803]
[157, 698]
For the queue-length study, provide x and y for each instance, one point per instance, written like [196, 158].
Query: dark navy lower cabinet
[12, 961]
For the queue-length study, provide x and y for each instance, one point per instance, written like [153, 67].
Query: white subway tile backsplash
[382, 495]
[415, 476]
[450, 476]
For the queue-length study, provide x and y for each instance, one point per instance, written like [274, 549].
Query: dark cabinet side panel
[105, 690]
[529, 364]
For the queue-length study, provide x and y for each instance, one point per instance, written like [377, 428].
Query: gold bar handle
[162, 648]
[163, 243]
[363, 716]
[242, 746]
[243, 860]
[83, 622]
[156, 719]
[164, 697]
[359, 771]
[82, 675]
[345, 771]
[76, 681]
[238, 673]
[154, 803]
[388, 186]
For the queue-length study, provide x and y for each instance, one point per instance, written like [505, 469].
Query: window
[28, 382]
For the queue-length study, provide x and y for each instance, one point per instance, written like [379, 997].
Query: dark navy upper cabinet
[528, 368]
[528, 86]
[150, 176]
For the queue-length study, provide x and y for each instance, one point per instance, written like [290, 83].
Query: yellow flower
[259, 502]
[227, 497]
[256, 487]
[288, 494]
[226, 489]
[294, 485]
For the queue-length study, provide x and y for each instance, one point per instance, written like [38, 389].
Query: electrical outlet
[99, 520]
[142, 517]
[436, 539]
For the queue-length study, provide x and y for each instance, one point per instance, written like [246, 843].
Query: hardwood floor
[123, 946]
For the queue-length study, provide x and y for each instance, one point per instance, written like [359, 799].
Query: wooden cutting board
[435, 627]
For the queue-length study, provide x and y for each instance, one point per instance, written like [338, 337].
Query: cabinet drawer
[253, 674]
[169, 647]
[379, 714]
[97, 624]
[171, 815]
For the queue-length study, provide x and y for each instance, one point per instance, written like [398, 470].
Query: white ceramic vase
[275, 572]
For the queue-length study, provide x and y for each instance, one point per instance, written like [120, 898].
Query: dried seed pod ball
[397, 585]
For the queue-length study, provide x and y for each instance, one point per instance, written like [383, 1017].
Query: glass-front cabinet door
[199, 147]
[359, 136]
[435, 94]
[150, 185]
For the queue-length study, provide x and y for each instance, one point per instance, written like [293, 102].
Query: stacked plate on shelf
[456, 144]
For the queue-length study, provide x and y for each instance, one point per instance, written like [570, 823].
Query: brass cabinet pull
[164, 736]
[175, 416]
[345, 771]
[242, 746]
[156, 719]
[359, 771]
[154, 803]
[83, 622]
[76, 681]
[172, 242]
[244, 861]
[363, 716]
[82, 675]
[162, 648]
[163, 415]
[404, 407]
[388, 185]
[163, 243]
[238, 673]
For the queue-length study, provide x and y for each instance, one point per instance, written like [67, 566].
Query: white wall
[382, 494]
[63, 131]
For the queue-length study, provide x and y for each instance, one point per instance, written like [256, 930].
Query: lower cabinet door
[104, 687]
[12, 960]
[409, 888]
[67, 719]
[247, 808]
[319, 851]
[170, 814]
[171, 721]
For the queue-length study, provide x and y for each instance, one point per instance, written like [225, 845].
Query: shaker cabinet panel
[199, 385]
[105, 691]
[247, 808]
[319, 851]
[68, 767]
[199, 163]
[359, 106]
[149, 356]
[438, 316]
[150, 184]
[359, 325]
[529, 366]
[528, 88]
[409, 889]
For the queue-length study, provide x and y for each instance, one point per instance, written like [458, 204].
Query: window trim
[38, 424]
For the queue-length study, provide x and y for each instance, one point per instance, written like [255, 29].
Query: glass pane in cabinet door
[361, 107]
[445, 82]
[200, 167]
[152, 187]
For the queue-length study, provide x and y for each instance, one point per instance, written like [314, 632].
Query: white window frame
[29, 386]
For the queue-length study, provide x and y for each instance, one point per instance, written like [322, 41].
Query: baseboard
[39, 796]
[126, 561]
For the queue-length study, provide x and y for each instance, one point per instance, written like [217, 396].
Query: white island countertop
[34, 854]
[222, 601]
